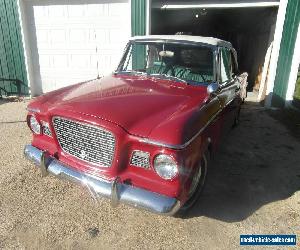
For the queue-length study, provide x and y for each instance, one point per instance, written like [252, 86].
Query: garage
[248, 26]
[73, 41]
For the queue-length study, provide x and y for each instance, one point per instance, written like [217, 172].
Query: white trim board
[148, 16]
[275, 51]
[221, 5]
[294, 70]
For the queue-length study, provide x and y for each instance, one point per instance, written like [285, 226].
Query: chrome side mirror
[212, 88]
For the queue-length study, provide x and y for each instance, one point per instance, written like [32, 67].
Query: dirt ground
[253, 188]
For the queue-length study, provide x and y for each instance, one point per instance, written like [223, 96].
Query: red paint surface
[135, 107]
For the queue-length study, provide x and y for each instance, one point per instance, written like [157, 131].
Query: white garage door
[78, 42]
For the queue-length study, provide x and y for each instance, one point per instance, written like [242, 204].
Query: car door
[229, 87]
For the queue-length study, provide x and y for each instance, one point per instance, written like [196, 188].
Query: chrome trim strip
[172, 41]
[184, 145]
[114, 192]
[43, 164]
[34, 110]
[117, 191]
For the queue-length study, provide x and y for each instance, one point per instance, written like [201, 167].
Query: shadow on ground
[290, 118]
[258, 163]
[10, 99]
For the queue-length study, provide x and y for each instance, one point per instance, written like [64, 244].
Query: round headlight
[165, 166]
[34, 125]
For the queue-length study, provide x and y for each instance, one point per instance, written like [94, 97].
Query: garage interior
[250, 30]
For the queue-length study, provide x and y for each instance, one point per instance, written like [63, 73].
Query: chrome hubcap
[199, 174]
[195, 180]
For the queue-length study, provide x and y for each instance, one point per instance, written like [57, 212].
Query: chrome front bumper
[116, 191]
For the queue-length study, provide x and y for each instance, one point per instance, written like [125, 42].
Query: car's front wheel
[197, 185]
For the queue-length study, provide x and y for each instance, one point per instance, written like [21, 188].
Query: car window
[234, 64]
[190, 63]
[226, 69]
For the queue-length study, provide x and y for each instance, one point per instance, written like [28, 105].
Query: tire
[199, 186]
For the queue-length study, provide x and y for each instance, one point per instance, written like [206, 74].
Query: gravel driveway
[253, 187]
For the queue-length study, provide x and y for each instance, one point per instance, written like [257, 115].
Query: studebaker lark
[144, 134]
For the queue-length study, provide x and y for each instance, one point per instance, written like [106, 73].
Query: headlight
[165, 166]
[34, 125]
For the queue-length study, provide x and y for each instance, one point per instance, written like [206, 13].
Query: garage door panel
[73, 39]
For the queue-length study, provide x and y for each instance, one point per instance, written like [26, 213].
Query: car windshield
[192, 64]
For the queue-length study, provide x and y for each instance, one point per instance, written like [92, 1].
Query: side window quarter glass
[226, 65]
[234, 66]
[230, 65]
[138, 56]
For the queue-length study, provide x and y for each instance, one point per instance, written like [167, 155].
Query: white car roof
[185, 38]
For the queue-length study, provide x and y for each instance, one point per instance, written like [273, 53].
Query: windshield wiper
[169, 77]
[165, 76]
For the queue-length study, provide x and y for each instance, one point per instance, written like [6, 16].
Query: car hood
[136, 103]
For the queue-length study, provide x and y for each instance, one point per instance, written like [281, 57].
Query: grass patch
[297, 88]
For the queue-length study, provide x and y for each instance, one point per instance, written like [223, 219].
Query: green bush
[297, 89]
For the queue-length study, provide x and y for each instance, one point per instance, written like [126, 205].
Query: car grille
[87, 142]
[140, 159]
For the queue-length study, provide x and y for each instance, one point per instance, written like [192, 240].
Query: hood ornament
[83, 154]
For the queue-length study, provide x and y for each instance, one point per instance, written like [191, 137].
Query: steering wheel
[182, 72]
[198, 73]
[203, 78]
[169, 67]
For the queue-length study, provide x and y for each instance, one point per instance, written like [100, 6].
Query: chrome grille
[140, 159]
[87, 142]
[46, 129]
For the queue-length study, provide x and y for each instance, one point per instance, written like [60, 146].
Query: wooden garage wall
[138, 28]
[138, 17]
[12, 61]
[289, 35]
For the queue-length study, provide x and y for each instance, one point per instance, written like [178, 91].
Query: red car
[144, 134]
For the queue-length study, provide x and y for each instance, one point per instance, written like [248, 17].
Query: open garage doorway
[250, 30]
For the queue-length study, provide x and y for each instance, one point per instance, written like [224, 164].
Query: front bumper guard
[115, 190]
